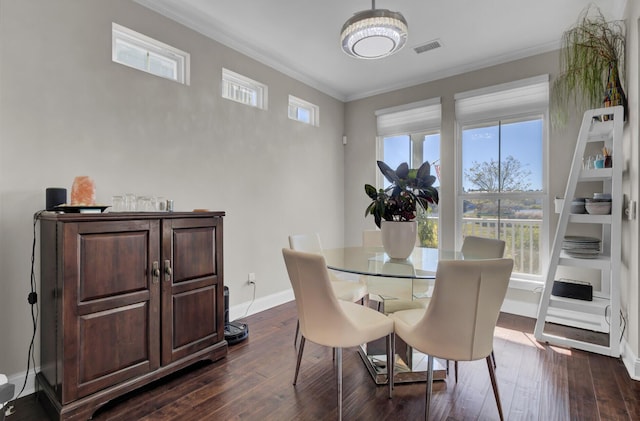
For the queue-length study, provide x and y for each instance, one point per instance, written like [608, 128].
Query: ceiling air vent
[431, 45]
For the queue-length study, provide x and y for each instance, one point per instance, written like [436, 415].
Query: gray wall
[66, 109]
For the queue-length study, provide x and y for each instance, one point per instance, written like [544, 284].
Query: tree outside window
[502, 194]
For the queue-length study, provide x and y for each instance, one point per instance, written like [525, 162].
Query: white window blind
[409, 118]
[513, 98]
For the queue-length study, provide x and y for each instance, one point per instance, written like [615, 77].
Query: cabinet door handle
[156, 272]
[167, 270]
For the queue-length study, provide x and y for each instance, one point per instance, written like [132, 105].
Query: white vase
[399, 238]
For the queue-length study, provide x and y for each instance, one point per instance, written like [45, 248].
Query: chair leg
[492, 374]
[493, 357]
[390, 362]
[339, 375]
[427, 403]
[295, 338]
[455, 365]
[302, 341]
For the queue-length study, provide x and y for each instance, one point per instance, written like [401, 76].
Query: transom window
[239, 88]
[303, 111]
[141, 52]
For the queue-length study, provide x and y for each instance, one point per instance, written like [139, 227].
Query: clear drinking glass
[130, 202]
[117, 204]
[144, 204]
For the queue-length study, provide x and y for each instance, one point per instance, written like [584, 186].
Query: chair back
[322, 319]
[306, 242]
[482, 248]
[461, 317]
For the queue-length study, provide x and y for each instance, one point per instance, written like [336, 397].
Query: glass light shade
[373, 34]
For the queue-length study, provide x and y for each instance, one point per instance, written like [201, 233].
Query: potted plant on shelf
[591, 65]
[394, 208]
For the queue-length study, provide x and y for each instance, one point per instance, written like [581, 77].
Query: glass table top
[373, 261]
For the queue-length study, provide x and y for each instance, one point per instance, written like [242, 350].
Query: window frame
[497, 118]
[181, 59]
[231, 80]
[296, 104]
[416, 150]
[416, 120]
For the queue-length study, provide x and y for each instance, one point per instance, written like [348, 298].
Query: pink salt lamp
[83, 191]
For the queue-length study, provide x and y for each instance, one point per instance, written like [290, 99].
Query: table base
[403, 373]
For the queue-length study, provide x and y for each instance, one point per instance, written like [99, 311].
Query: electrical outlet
[251, 279]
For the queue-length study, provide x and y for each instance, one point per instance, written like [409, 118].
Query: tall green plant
[591, 50]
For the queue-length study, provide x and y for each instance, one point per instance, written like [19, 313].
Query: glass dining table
[393, 285]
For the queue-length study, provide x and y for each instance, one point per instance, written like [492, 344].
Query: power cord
[252, 300]
[32, 299]
[623, 322]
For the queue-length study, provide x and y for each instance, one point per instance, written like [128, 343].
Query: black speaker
[226, 305]
[570, 288]
[55, 196]
[234, 332]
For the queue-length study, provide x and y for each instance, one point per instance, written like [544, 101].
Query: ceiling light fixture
[374, 33]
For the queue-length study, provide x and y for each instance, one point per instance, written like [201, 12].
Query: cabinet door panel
[192, 302]
[103, 364]
[113, 263]
[194, 311]
[193, 251]
[111, 304]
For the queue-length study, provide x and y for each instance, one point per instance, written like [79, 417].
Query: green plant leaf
[403, 171]
[591, 50]
[388, 173]
[371, 191]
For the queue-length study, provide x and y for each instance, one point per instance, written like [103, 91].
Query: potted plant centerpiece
[394, 208]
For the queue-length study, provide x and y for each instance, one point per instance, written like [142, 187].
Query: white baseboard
[18, 380]
[520, 308]
[630, 360]
[264, 303]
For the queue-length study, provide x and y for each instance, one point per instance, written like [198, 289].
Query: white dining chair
[482, 248]
[352, 291]
[460, 319]
[327, 321]
[474, 247]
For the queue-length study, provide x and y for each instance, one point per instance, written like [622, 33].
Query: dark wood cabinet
[125, 299]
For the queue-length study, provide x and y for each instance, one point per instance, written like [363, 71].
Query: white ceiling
[301, 37]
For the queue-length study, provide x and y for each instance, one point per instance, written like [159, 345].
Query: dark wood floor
[536, 381]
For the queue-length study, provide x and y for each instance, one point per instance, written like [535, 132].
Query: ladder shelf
[602, 314]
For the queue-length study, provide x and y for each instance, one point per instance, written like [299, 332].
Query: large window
[411, 134]
[501, 188]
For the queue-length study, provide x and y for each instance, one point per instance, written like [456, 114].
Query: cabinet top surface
[115, 216]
